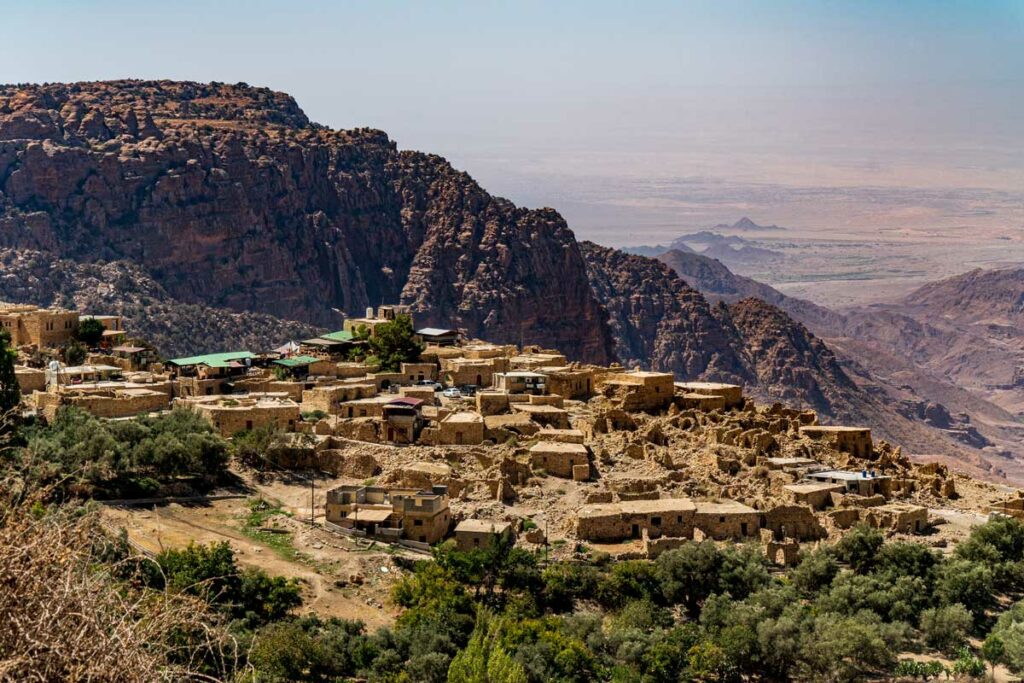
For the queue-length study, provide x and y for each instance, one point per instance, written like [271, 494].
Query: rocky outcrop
[659, 321]
[232, 198]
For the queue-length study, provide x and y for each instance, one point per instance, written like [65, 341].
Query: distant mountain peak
[746, 224]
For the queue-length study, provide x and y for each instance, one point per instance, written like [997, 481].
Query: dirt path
[175, 526]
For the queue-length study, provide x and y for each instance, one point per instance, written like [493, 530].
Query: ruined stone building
[561, 459]
[711, 394]
[639, 390]
[853, 440]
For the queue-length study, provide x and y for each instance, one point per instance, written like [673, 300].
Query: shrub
[946, 628]
[89, 332]
[859, 548]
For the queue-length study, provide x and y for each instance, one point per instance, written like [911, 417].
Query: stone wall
[229, 419]
[558, 459]
[30, 379]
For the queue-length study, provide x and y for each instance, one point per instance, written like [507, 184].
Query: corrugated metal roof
[297, 361]
[435, 331]
[339, 336]
[214, 360]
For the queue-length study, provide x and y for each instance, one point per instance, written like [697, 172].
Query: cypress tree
[10, 392]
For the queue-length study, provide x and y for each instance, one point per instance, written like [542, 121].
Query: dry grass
[65, 616]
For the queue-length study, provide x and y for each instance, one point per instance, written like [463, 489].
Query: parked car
[468, 389]
[436, 386]
[452, 392]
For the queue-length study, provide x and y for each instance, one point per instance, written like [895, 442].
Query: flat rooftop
[536, 409]
[791, 461]
[706, 386]
[723, 508]
[638, 507]
[481, 526]
[558, 447]
[810, 487]
[839, 475]
[464, 417]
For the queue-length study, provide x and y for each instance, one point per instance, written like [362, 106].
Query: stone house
[461, 428]
[391, 514]
[789, 464]
[640, 390]
[474, 534]
[132, 357]
[726, 520]
[42, 327]
[303, 366]
[521, 382]
[562, 435]
[476, 371]
[796, 522]
[209, 374]
[438, 336]
[30, 379]
[901, 518]
[1012, 506]
[570, 382]
[703, 402]
[372, 321]
[632, 519]
[535, 358]
[418, 372]
[545, 415]
[365, 407]
[863, 483]
[560, 459]
[731, 393]
[245, 412]
[853, 440]
[108, 402]
[816, 495]
[403, 420]
[331, 398]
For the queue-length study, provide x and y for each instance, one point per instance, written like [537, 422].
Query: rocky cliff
[231, 198]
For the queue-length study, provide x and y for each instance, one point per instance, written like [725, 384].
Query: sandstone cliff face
[231, 198]
[661, 322]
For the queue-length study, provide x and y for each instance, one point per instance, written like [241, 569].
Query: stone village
[479, 440]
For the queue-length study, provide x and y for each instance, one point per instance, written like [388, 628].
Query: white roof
[840, 475]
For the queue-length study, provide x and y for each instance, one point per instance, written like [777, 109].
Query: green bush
[946, 628]
[128, 455]
[89, 332]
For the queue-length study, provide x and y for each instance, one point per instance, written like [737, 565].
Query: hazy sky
[532, 97]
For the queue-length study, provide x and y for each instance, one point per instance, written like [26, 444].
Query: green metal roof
[214, 360]
[340, 335]
[297, 361]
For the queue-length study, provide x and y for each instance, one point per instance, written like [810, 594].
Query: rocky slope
[122, 288]
[232, 198]
[915, 353]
